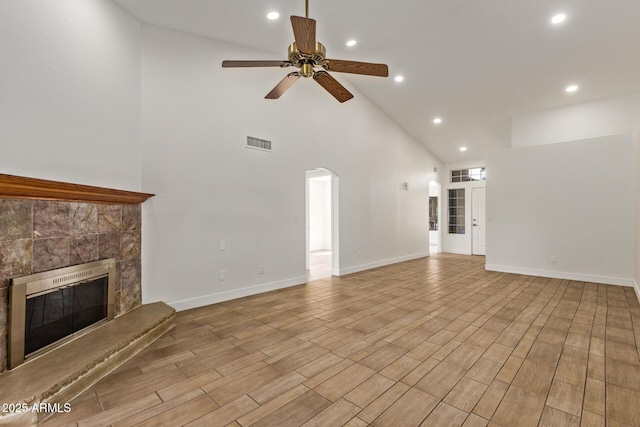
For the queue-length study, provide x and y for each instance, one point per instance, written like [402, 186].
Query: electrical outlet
[554, 259]
[223, 245]
[261, 269]
[222, 275]
[359, 254]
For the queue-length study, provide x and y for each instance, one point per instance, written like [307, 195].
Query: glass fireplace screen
[47, 308]
[62, 312]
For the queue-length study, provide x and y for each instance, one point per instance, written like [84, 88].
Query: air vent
[258, 144]
[80, 275]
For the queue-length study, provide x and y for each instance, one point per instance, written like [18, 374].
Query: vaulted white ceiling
[475, 63]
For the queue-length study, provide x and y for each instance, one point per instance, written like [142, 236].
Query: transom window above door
[471, 174]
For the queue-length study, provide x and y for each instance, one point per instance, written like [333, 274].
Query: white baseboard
[236, 293]
[636, 287]
[620, 281]
[382, 263]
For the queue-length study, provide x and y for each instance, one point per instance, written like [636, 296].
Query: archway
[322, 228]
[435, 209]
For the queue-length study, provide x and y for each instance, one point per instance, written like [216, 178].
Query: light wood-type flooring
[435, 342]
[319, 265]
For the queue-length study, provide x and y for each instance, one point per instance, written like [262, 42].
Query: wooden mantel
[17, 187]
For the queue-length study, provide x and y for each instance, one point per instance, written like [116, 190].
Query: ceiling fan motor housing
[307, 62]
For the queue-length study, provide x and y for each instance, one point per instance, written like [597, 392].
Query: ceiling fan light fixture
[273, 15]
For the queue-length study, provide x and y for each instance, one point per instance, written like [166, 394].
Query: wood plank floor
[432, 342]
[319, 265]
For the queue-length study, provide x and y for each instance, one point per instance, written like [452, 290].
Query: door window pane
[456, 211]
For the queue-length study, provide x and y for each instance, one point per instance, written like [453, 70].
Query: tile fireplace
[47, 225]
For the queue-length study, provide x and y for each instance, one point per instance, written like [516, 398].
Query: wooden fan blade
[304, 31]
[284, 84]
[332, 86]
[354, 67]
[233, 64]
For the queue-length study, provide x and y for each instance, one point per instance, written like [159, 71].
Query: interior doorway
[321, 219]
[434, 217]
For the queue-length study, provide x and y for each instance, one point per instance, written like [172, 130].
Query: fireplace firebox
[47, 309]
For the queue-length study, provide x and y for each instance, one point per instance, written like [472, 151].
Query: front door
[479, 220]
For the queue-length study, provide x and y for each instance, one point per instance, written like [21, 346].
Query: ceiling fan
[307, 54]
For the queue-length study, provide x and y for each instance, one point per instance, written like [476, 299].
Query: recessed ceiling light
[559, 18]
[571, 88]
[273, 15]
[463, 148]
[352, 43]
[437, 120]
[399, 78]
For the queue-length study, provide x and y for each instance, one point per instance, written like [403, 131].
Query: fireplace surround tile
[49, 254]
[128, 286]
[84, 218]
[3, 348]
[109, 218]
[130, 298]
[83, 249]
[130, 243]
[109, 245]
[131, 218]
[4, 300]
[129, 273]
[12, 219]
[15, 259]
[50, 219]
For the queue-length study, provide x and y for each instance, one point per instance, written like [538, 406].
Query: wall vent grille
[258, 144]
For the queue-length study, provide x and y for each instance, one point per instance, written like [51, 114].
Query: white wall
[458, 243]
[320, 214]
[572, 200]
[636, 169]
[433, 189]
[195, 120]
[70, 92]
[609, 116]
